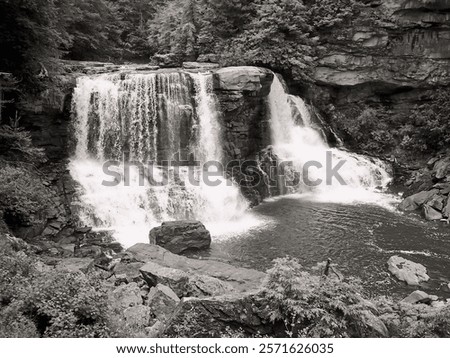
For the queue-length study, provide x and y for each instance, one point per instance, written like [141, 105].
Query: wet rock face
[242, 93]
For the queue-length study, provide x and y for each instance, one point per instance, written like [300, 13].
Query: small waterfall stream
[298, 140]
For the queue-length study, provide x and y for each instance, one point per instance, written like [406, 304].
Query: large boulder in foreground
[240, 279]
[219, 316]
[410, 272]
[181, 236]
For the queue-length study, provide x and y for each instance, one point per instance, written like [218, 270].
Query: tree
[29, 36]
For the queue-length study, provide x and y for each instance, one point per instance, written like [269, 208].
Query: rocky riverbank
[428, 190]
[147, 291]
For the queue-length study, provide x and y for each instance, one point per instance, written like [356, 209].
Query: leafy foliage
[313, 306]
[16, 145]
[50, 304]
[425, 131]
[428, 128]
[22, 194]
[28, 35]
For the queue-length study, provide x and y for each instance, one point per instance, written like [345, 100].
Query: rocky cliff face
[389, 57]
[242, 93]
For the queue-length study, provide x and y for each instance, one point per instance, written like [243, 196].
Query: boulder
[446, 210]
[442, 168]
[415, 201]
[208, 57]
[166, 60]
[181, 236]
[430, 213]
[137, 315]
[126, 296]
[410, 272]
[240, 279]
[437, 202]
[217, 316]
[130, 271]
[155, 274]
[162, 302]
[243, 79]
[373, 325]
[417, 297]
[182, 283]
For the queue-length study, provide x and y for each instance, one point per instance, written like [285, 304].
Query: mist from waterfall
[296, 139]
[152, 119]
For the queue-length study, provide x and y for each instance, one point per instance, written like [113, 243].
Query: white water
[115, 115]
[155, 117]
[298, 141]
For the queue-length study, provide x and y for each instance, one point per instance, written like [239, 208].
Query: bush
[22, 194]
[313, 306]
[51, 304]
[428, 128]
[16, 146]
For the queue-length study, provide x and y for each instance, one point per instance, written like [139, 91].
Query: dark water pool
[358, 238]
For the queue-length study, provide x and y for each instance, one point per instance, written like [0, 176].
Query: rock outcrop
[418, 297]
[410, 272]
[181, 236]
[242, 94]
[433, 183]
[241, 279]
[216, 317]
[388, 58]
[182, 283]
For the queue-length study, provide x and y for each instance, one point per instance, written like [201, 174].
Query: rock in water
[181, 236]
[415, 201]
[410, 272]
[431, 214]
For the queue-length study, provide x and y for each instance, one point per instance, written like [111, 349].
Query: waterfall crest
[297, 139]
[151, 119]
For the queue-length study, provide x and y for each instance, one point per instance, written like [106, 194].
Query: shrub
[313, 306]
[52, 304]
[428, 128]
[16, 146]
[22, 193]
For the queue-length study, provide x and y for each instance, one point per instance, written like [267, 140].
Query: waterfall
[137, 123]
[296, 139]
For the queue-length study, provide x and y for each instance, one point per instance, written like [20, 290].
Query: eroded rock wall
[390, 56]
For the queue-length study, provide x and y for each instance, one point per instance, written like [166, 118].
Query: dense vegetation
[424, 132]
[277, 34]
[318, 306]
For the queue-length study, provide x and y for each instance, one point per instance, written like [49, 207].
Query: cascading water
[149, 119]
[297, 140]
